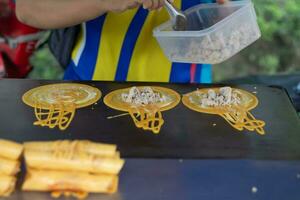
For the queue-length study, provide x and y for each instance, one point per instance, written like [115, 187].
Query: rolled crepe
[68, 161]
[99, 149]
[10, 150]
[9, 167]
[7, 185]
[48, 181]
[117, 155]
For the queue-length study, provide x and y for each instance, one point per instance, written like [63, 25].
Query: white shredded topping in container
[143, 96]
[225, 97]
[217, 47]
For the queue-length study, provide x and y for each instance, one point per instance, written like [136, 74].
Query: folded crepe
[73, 161]
[99, 149]
[7, 185]
[10, 150]
[69, 182]
[9, 167]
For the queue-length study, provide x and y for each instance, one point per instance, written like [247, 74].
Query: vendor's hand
[123, 5]
[120, 5]
[152, 4]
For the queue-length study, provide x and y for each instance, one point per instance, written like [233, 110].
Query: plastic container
[215, 33]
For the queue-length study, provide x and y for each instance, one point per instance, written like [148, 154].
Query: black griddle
[185, 134]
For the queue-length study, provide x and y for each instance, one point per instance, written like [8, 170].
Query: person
[115, 42]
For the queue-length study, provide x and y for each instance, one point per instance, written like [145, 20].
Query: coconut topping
[224, 97]
[143, 96]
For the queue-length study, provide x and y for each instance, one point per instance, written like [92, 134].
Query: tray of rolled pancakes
[10, 153]
[71, 168]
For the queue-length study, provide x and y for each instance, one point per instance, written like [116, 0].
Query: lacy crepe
[144, 104]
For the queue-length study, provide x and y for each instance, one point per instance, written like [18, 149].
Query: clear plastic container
[215, 33]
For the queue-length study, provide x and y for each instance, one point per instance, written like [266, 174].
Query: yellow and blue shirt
[121, 47]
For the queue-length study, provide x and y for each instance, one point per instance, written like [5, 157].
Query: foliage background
[277, 52]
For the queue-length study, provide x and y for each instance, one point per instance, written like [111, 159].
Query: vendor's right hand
[123, 5]
[152, 4]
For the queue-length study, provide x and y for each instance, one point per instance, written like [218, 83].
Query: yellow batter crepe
[73, 161]
[99, 149]
[77, 184]
[9, 167]
[55, 104]
[234, 106]
[10, 150]
[144, 104]
[7, 185]
[72, 168]
[10, 153]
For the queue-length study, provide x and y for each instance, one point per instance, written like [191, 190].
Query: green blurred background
[277, 52]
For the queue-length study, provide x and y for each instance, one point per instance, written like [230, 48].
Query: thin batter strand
[55, 105]
[146, 119]
[59, 115]
[241, 119]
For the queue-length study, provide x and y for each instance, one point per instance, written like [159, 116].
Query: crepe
[99, 149]
[144, 104]
[10, 150]
[69, 183]
[74, 162]
[72, 168]
[55, 105]
[9, 167]
[232, 104]
[10, 153]
[7, 185]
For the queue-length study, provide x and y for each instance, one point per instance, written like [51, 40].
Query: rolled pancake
[68, 161]
[99, 149]
[9, 167]
[55, 181]
[10, 150]
[7, 185]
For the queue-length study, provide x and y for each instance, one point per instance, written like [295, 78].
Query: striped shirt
[121, 47]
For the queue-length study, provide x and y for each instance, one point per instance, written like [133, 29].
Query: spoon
[178, 18]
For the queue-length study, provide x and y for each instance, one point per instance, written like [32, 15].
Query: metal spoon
[179, 20]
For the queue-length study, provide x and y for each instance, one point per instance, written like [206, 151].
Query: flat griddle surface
[185, 134]
[164, 179]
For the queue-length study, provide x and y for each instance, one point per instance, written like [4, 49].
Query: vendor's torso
[121, 47]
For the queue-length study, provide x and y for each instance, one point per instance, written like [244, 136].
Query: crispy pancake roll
[7, 185]
[9, 167]
[10, 150]
[66, 182]
[60, 160]
[117, 155]
[99, 149]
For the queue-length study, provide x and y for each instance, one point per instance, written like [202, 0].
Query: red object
[15, 59]
[2, 69]
[193, 72]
